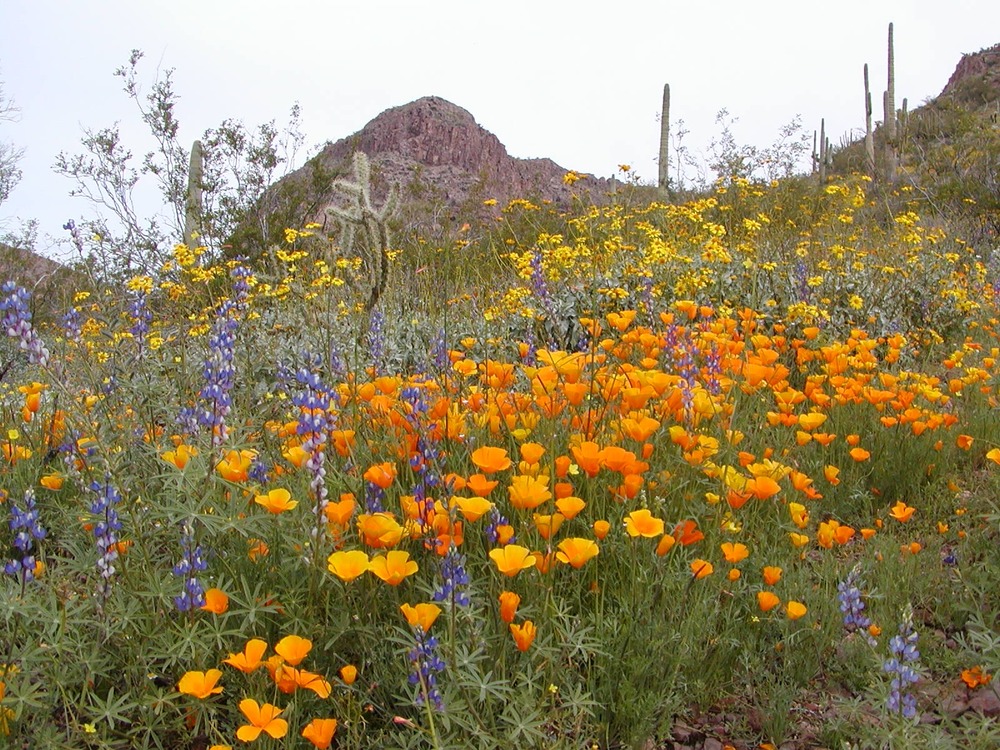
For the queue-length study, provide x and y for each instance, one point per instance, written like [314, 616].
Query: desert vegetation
[626, 473]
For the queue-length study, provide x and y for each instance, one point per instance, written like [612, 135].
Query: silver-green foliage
[363, 227]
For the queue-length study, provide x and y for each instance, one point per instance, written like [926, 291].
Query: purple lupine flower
[191, 563]
[376, 338]
[74, 233]
[73, 324]
[142, 316]
[902, 669]
[713, 369]
[315, 423]
[496, 520]
[16, 322]
[439, 351]
[802, 281]
[106, 528]
[425, 458]
[454, 579]
[853, 606]
[426, 664]
[219, 374]
[27, 529]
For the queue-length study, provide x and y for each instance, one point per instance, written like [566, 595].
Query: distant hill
[949, 148]
[51, 283]
[444, 161]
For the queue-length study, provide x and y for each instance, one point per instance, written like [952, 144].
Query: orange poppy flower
[601, 529]
[767, 601]
[296, 456]
[509, 602]
[831, 474]
[262, 719]
[512, 559]
[798, 540]
[293, 649]
[527, 492]
[348, 564]
[548, 524]
[617, 459]
[341, 511]
[200, 684]
[524, 635]
[588, 457]
[860, 454]
[570, 506]
[235, 466]
[216, 601]
[902, 512]
[320, 732]
[180, 456]
[772, 574]
[762, 487]
[643, 523]
[688, 533]
[393, 567]
[382, 475]
[420, 615]
[300, 678]
[480, 486]
[964, 442]
[975, 677]
[490, 459]
[472, 508]
[52, 481]
[532, 452]
[734, 553]
[250, 658]
[380, 530]
[701, 568]
[795, 610]
[993, 455]
[276, 501]
[799, 514]
[576, 551]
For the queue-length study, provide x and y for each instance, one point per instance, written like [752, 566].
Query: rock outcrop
[977, 76]
[437, 152]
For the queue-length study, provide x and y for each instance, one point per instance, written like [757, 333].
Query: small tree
[10, 155]
[238, 165]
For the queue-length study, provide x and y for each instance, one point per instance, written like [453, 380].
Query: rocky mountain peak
[437, 152]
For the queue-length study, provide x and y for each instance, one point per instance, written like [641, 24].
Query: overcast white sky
[579, 82]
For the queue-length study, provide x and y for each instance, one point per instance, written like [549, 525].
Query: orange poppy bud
[348, 674]
[509, 602]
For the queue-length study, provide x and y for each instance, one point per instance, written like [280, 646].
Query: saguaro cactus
[664, 181]
[889, 104]
[192, 205]
[823, 148]
[869, 139]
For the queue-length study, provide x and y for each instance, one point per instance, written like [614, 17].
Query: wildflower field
[575, 479]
